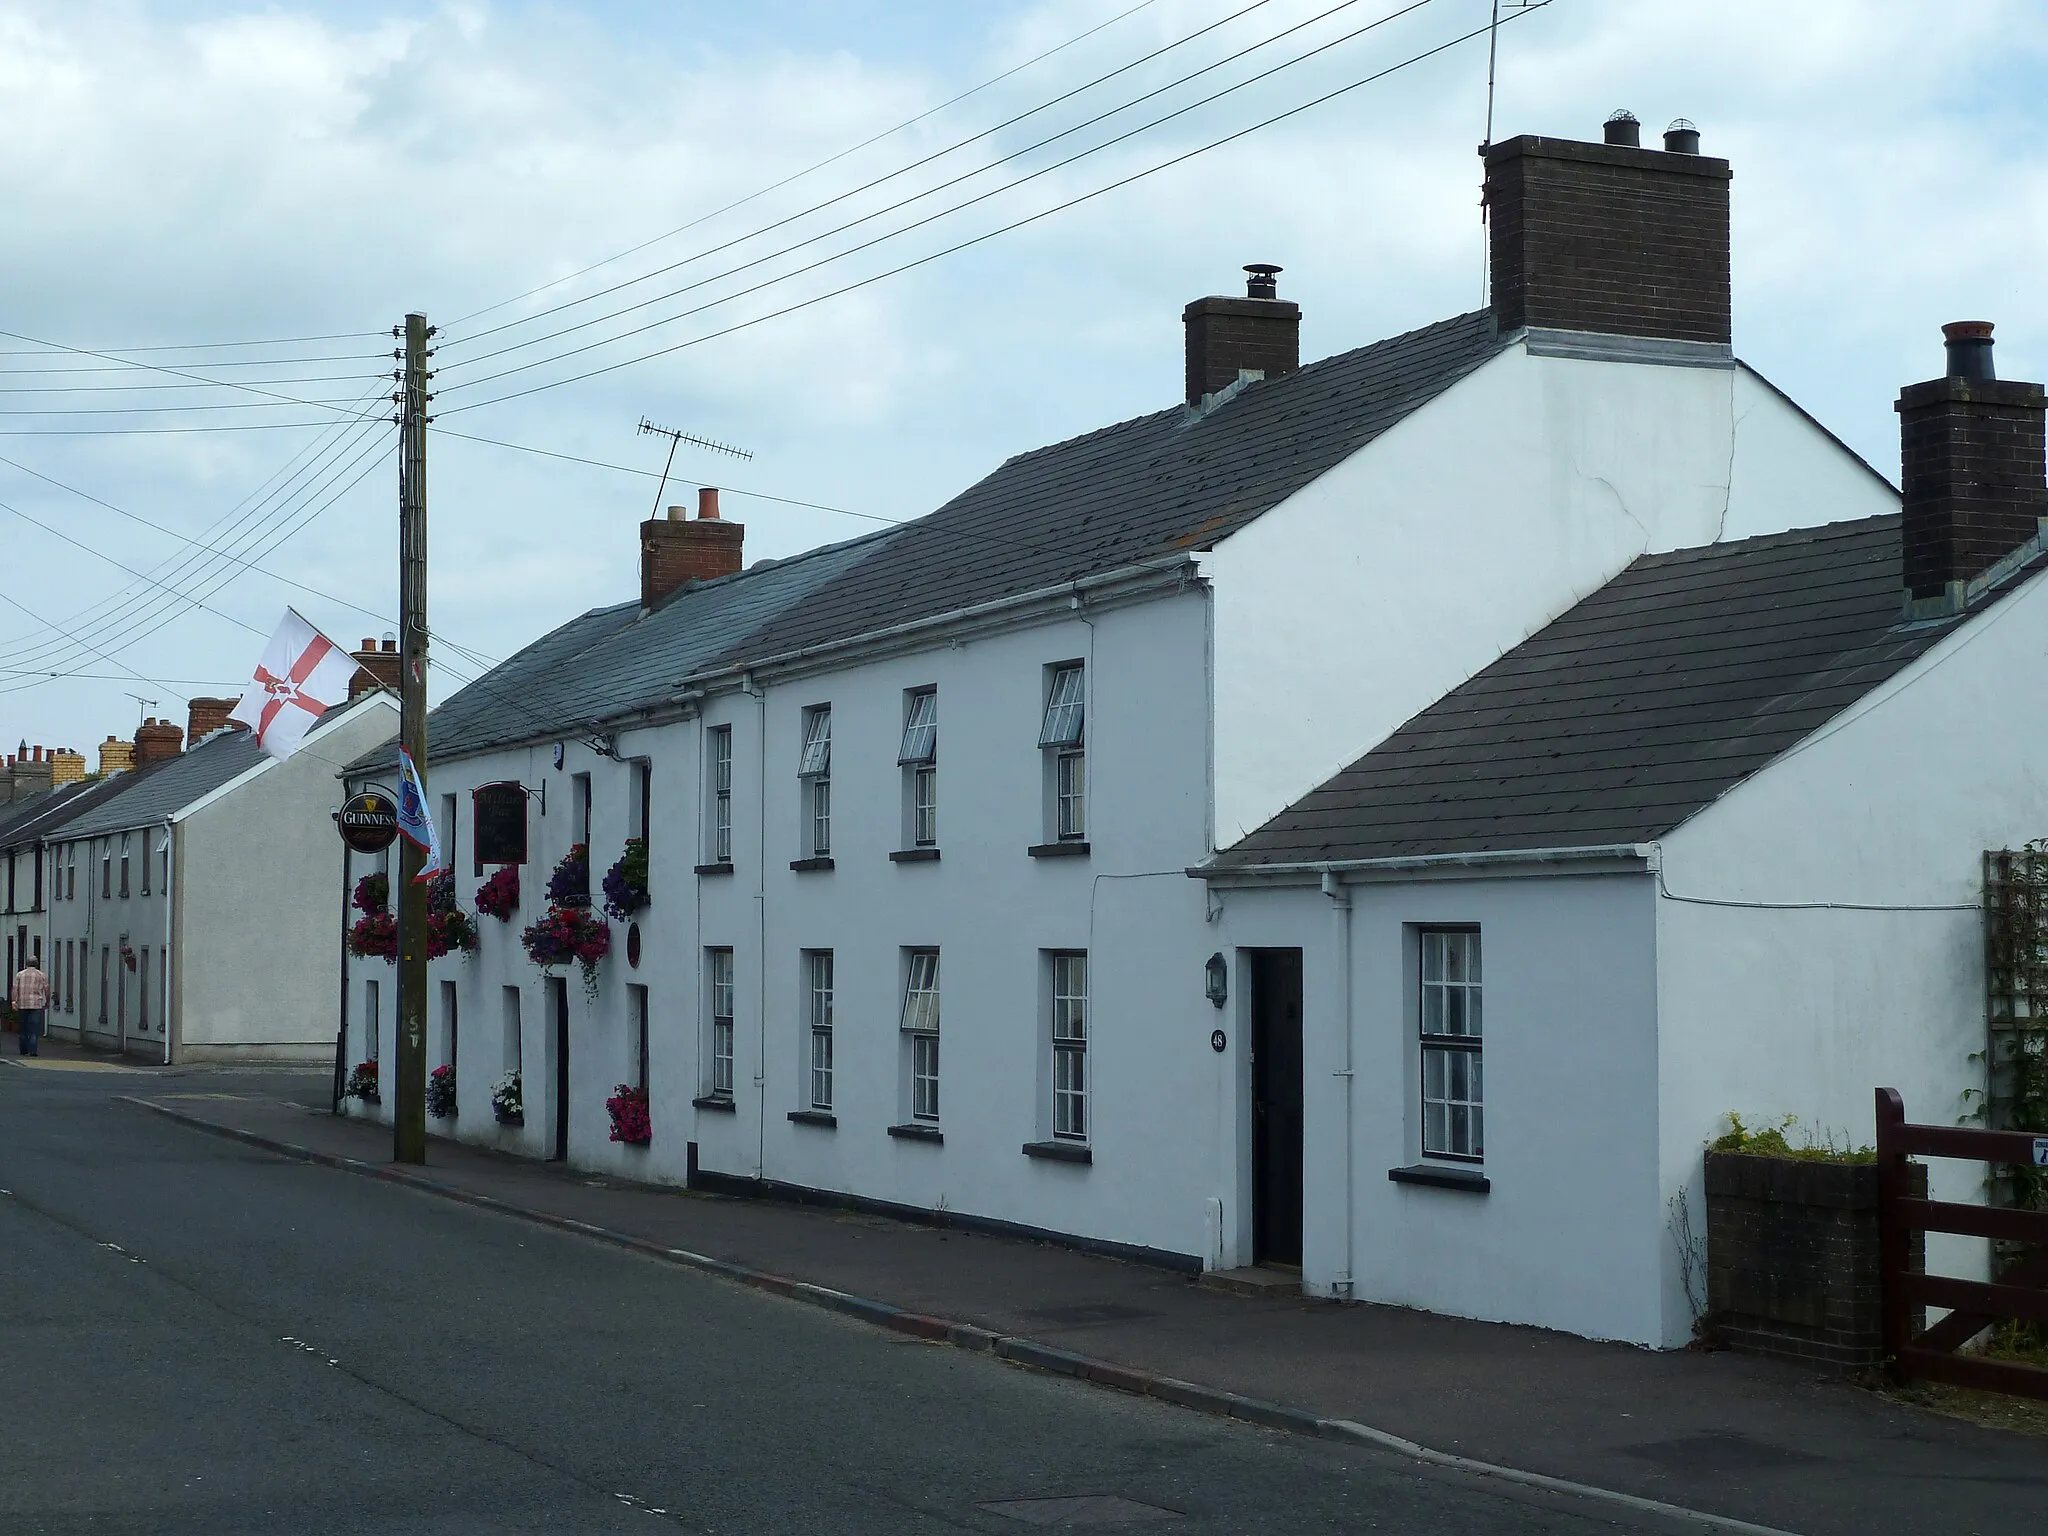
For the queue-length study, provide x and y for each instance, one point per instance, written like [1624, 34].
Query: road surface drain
[1089, 1509]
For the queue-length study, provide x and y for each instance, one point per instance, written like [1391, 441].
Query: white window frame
[1069, 1039]
[1070, 796]
[920, 1023]
[919, 758]
[719, 749]
[1450, 1025]
[718, 973]
[814, 774]
[1062, 736]
[818, 1000]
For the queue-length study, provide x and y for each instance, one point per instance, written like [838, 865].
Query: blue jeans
[31, 1030]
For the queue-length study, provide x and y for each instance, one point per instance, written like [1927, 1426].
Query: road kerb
[1016, 1350]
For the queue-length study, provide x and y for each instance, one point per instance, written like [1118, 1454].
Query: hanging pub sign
[369, 821]
[501, 823]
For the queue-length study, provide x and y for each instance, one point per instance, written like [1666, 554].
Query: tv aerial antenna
[143, 707]
[676, 438]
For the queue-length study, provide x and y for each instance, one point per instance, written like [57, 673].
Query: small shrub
[1773, 1142]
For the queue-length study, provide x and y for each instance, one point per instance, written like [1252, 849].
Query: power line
[939, 154]
[178, 373]
[123, 366]
[980, 239]
[130, 389]
[205, 346]
[807, 170]
[931, 218]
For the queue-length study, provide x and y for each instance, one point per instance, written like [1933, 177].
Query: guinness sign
[369, 821]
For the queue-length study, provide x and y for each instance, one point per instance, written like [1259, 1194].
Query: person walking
[30, 995]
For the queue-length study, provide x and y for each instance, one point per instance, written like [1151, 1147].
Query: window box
[824, 1119]
[914, 856]
[719, 1102]
[811, 866]
[1469, 1180]
[1059, 1151]
[929, 1133]
[724, 867]
[1073, 849]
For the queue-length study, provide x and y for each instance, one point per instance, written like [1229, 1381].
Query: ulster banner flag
[303, 674]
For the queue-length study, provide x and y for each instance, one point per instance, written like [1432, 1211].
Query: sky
[225, 208]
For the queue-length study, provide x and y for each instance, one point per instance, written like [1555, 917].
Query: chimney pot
[678, 514]
[1622, 128]
[390, 644]
[1973, 472]
[369, 642]
[39, 755]
[675, 552]
[707, 502]
[1260, 283]
[1681, 138]
[1969, 349]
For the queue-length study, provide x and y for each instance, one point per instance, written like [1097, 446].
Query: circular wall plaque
[633, 945]
[1218, 1040]
[369, 821]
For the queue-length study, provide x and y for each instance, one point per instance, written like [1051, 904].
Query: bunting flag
[302, 675]
[414, 824]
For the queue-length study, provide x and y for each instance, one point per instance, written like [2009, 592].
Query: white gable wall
[1387, 582]
[1789, 1007]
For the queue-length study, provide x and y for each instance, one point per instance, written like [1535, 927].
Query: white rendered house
[920, 808]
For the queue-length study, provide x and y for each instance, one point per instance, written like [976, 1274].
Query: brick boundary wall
[1792, 1259]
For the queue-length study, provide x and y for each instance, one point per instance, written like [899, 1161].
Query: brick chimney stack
[376, 667]
[156, 740]
[1971, 464]
[677, 550]
[116, 756]
[1610, 237]
[66, 766]
[205, 716]
[1260, 332]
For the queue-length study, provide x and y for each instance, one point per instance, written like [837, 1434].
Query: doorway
[1276, 1106]
[558, 1011]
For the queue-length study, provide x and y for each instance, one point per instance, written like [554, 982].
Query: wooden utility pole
[409, 1107]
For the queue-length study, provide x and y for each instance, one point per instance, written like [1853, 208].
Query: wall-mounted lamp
[1216, 980]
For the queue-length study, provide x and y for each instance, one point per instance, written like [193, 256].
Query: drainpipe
[753, 686]
[163, 1018]
[1340, 927]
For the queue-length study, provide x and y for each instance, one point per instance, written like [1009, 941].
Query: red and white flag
[303, 674]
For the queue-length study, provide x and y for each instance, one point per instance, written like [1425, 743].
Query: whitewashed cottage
[921, 809]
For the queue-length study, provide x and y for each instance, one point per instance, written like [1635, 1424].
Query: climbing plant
[2016, 976]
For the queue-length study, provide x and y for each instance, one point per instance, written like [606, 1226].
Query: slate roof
[148, 795]
[55, 810]
[1642, 705]
[1143, 488]
[1108, 499]
[611, 661]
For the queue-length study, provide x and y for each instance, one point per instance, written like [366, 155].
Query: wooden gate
[2019, 1292]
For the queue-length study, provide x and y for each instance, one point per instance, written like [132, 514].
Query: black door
[1276, 1106]
[560, 989]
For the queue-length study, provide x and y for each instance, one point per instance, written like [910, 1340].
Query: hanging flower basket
[628, 1108]
[448, 926]
[508, 1100]
[374, 937]
[625, 883]
[569, 933]
[362, 1083]
[372, 895]
[441, 1093]
[569, 885]
[499, 896]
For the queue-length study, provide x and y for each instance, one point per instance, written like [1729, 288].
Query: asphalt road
[199, 1337]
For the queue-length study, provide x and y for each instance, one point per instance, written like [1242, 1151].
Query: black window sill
[715, 869]
[1072, 849]
[914, 856]
[721, 1102]
[819, 1117]
[810, 866]
[1472, 1183]
[929, 1133]
[1059, 1151]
